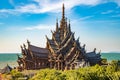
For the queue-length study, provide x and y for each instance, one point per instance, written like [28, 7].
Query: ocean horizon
[11, 58]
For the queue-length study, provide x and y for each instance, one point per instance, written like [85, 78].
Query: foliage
[16, 75]
[110, 72]
[49, 74]
[104, 61]
[104, 72]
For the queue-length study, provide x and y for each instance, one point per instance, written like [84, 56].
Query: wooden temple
[33, 57]
[62, 51]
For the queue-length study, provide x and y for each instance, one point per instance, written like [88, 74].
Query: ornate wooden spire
[69, 23]
[18, 56]
[94, 50]
[46, 37]
[21, 46]
[63, 47]
[56, 24]
[28, 42]
[63, 12]
[62, 24]
[24, 46]
[99, 52]
[63, 50]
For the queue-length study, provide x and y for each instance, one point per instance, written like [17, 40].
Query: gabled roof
[38, 49]
[92, 55]
[6, 69]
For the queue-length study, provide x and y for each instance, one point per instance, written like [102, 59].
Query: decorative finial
[21, 46]
[94, 50]
[52, 32]
[57, 24]
[63, 11]
[57, 20]
[78, 39]
[28, 42]
[99, 52]
[46, 37]
[84, 46]
[69, 27]
[18, 56]
[66, 19]
[69, 22]
[24, 45]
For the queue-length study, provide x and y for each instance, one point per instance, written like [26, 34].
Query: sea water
[111, 56]
[8, 58]
[11, 58]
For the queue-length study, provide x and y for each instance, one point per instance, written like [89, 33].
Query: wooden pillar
[50, 64]
[61, 65]
[71, 66]
[44, 63]
[27, 65]
[35, 64]
[24, 65]
[31, 65]
[55, 65]
[66, 67]
[58, 65]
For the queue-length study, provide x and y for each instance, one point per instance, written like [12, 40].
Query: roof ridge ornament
[63, 11]
[28, 42]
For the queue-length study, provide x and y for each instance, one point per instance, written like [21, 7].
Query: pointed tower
[62, 23]
[56, 24]
[63, 12]
[62, 51]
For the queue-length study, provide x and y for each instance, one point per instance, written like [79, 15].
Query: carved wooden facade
[63, 51]
[33, 57]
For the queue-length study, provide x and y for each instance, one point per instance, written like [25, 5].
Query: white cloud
[56, 6]
[107, 12]
[81, 20]
[42, 6]
[39, 27]
[11, 11]
[48, 6]
[84, 18]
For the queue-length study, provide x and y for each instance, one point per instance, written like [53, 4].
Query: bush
[104, 61]
[49, 74]
[109, 72]
[16, 74]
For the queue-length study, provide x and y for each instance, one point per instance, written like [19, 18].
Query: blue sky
[96, 22]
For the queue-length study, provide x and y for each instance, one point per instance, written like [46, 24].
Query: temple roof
[92, 54]
[6, 69]
[41, 55]
[38, 49]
